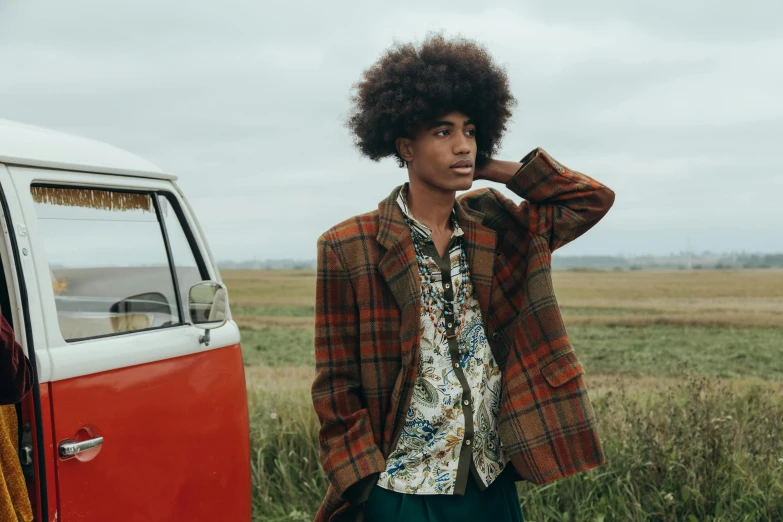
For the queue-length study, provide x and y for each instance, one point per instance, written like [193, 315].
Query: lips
[462, 164]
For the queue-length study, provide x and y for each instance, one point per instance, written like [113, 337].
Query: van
[139, 412]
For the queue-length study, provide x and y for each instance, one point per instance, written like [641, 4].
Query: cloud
[702, 20]
[674, 105]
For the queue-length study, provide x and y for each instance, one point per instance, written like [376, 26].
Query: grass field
[685, 370]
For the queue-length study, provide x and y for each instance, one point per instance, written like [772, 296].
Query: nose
[462, 144]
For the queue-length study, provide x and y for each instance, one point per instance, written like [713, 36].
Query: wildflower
[668, 497]
[273, 415]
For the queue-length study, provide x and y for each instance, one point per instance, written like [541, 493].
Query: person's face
[442, 154]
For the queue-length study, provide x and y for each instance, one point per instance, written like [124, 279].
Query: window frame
[182, 317]
[189, 235]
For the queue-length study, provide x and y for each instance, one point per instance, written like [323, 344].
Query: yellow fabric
[14, 501]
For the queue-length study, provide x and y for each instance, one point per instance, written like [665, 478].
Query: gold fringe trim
[91, 198]
[59, 286]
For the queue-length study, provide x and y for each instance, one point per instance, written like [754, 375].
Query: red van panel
[176, 441]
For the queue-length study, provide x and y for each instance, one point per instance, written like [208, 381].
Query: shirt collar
[417, 226]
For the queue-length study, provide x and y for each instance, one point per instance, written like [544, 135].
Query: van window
[108, 261]
[188, 272]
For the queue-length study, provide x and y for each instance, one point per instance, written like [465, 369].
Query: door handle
[69, 448]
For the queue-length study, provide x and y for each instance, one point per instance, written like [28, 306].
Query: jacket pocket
[562, 369]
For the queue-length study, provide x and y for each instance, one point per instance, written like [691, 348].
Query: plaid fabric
[367, 329]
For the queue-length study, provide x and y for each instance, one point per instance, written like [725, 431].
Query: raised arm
[560, 204]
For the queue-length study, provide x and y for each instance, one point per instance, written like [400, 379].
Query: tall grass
[696, 451]
[288, 482]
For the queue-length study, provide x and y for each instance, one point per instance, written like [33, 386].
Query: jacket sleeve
[348, 452]
[16, 373]
[560, 204]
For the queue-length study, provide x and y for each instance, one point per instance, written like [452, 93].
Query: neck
[430, 205]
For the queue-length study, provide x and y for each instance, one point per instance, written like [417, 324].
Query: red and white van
[140, 408]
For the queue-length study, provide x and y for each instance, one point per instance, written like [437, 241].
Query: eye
[470, 132]
[441, 132]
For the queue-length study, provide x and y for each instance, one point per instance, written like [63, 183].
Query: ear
[405, 148]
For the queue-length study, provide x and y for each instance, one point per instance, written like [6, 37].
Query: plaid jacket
[367, 329]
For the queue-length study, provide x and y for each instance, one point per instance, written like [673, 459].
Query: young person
[444, 373]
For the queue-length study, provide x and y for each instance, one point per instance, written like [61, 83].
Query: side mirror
[208, 306]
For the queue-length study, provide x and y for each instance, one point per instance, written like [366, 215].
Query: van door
[159, 419]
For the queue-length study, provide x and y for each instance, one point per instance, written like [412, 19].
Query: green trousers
[498, 503]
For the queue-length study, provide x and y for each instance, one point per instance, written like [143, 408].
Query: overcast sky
[677, 106]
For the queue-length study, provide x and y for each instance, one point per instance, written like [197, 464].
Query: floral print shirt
[450, 431]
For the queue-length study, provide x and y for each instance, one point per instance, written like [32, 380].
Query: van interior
[23, 410]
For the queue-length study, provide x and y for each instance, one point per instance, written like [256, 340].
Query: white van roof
[27, 145]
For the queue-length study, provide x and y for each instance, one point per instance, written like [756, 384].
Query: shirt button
[456, 365]
[450, 325]
[467, 442]
[466, 402]
[447, 286]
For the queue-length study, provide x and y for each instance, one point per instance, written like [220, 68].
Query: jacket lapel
[399, 269]
[479, 242]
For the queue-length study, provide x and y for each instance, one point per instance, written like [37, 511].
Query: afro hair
[410, 86]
